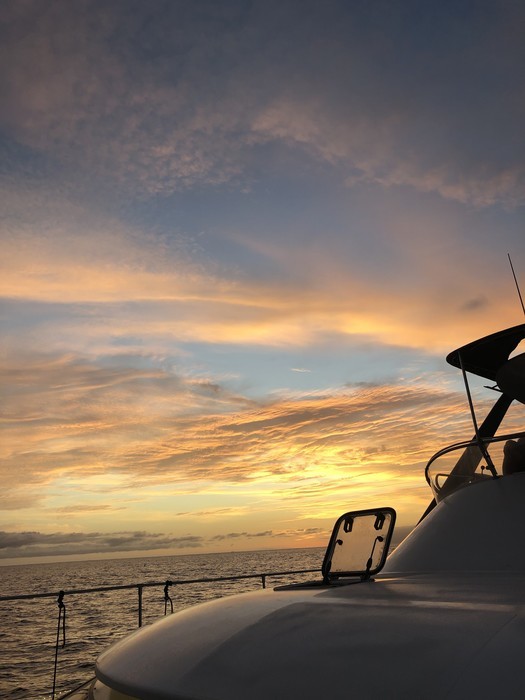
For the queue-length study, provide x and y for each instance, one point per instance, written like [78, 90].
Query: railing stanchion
[139, 589]
[263, 579]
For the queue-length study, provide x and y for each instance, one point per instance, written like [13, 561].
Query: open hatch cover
[359, 544]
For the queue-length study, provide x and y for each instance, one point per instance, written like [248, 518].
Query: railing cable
[61, 624]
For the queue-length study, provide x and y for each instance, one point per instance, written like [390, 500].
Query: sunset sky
[238, 239]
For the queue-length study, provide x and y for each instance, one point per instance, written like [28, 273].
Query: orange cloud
[116, 288]
[75, 428]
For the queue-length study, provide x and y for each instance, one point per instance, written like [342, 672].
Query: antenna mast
[516, 283]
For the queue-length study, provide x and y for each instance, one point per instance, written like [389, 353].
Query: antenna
[516, 283]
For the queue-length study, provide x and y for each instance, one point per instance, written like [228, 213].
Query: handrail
[151, 584]
[465, 444]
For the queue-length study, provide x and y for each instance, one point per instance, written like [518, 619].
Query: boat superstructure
[443, 617]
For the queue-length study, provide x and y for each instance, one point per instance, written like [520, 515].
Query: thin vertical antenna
[516, 283]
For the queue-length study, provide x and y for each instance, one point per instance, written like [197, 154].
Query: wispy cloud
[130, 95]
[71, 421]
[96, 294]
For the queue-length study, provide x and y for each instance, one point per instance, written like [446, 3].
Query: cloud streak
[107, 430]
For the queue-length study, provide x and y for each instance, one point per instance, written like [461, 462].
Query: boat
[442, 616]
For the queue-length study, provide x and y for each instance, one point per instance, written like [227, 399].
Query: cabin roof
[486, 356]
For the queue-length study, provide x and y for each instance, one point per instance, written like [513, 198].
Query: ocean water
[28, 633]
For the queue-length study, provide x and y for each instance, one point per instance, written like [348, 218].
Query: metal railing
[467, 466]
[151, 584]
[60, 595]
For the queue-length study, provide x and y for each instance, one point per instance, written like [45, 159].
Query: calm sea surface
[28, 632]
